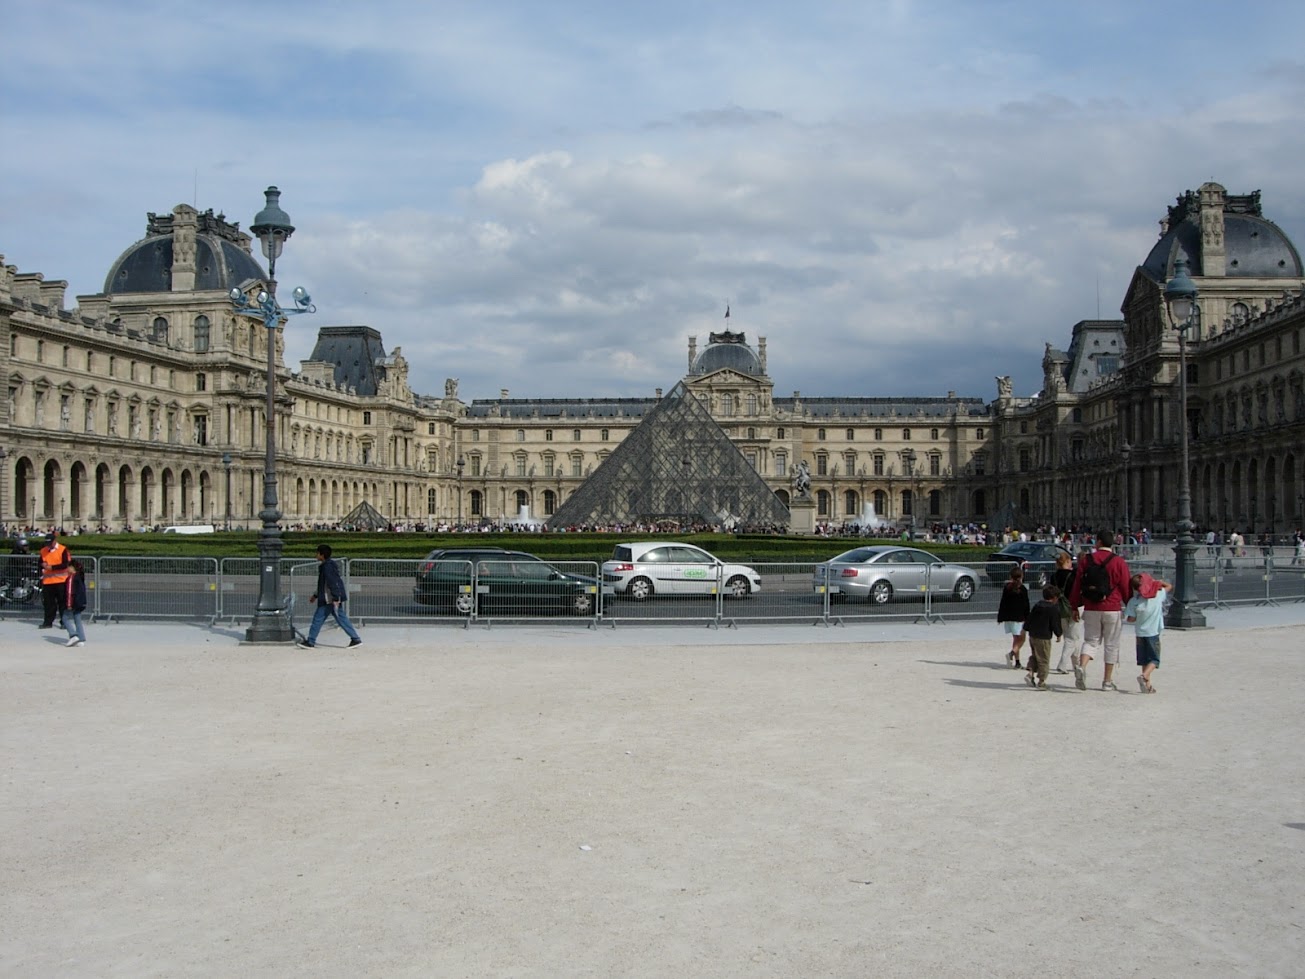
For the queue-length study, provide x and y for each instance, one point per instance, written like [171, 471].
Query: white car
[643, 569]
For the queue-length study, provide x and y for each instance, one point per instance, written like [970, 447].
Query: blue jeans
[336, 612]
[68, 616]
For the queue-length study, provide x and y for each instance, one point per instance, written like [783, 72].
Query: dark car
[494, 580]
[1037, 558]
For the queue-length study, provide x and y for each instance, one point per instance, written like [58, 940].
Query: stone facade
[120, 411]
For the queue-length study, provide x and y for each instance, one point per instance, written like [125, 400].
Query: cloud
[904, 198]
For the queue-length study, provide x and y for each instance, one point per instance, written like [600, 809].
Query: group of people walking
[1085, 606]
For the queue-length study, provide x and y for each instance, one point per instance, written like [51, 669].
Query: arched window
[879, 434]
[906, 435]
[820, 434]
[779, 434]
[521, 434]
[822, 503]
[160, 329]
[850, 434]
[201, 334]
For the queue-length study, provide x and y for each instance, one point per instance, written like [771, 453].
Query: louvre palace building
[144, 404]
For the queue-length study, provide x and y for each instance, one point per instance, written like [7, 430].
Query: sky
[905, 198]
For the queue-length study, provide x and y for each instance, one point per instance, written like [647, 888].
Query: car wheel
[738, 587]
[881, 593]
[640, 589]
[465, 603]
[582, 604]
[964, 590]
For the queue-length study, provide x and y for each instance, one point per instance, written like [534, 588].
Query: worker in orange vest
[56, 562]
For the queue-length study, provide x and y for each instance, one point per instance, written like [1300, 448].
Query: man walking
[329, 599]
[1101, 588]
[55, 562]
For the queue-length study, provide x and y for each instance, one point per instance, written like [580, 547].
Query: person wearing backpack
[1101, 588]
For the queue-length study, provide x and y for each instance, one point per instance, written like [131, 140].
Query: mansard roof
[1254, 247]
[222, 258]
[358, 353]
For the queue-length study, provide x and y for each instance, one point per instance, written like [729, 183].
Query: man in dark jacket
[329, 599]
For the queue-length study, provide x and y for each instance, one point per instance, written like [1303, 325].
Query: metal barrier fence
[458, 593]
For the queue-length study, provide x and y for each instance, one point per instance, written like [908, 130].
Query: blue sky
[904, 198]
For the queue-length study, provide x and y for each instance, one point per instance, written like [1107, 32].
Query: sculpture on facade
[450, 387]
[802, 480]
[1005, 388]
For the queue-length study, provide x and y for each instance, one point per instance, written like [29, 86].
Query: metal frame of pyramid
[677, 468]
[364, 517]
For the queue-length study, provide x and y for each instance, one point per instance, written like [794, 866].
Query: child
[74, 604]
[1042, 623]
[1145, 610]
[1063, 579]
[1012, 611]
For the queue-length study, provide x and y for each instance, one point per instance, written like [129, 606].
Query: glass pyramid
[678, 469]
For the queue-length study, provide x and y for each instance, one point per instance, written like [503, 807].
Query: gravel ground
[551, 801]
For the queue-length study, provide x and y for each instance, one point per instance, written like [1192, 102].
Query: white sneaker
[72, 641]
[1108, 685]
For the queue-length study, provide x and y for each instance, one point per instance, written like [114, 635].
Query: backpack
[1096, 580]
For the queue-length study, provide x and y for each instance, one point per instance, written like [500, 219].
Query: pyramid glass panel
[678, 468]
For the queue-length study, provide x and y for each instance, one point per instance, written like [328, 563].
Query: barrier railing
[461, 594]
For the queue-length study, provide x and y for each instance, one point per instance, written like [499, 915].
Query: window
[430, 428]
[752, 460]
[549, 466]
[978, 433]
[727, 405]
[933, 434]
[820, 434]
[40, 352]
[849, 463]
[935, 465]
[154, 376]
[879, 464]
[367, 418]
[780, 434]
[850, 434]
[906, 435]
[603, 435]
[752, 404]
[201, 429]
[548, 435]
[90, 362]
[822, 465]
[65, 356]
[1026, 461]
[201, 382]
[520, 463]
[131, 371]
[575, 435]
[781, 463]
[752, 433]
[160, 329]
[577, 466]
[201, 334]
[430, 501]
[1024, 428]
[879, 434]
[521, 435]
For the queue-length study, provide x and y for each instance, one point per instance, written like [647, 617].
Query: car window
[657, 555]
[691, 555]
[532, 570]
[621, 553]
[857, 555]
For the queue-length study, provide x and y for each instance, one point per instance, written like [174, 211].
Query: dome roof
[728, 351]
[221, 258]
[1253, 246]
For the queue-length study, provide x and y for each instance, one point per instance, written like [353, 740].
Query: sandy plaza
[556, 801]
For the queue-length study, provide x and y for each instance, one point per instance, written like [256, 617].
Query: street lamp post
[62, 501]
[1180, 297]
[226, 464]
[3, 497]
[1126, 451]
[1083, 511]
[271, 622]
[461, 464]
